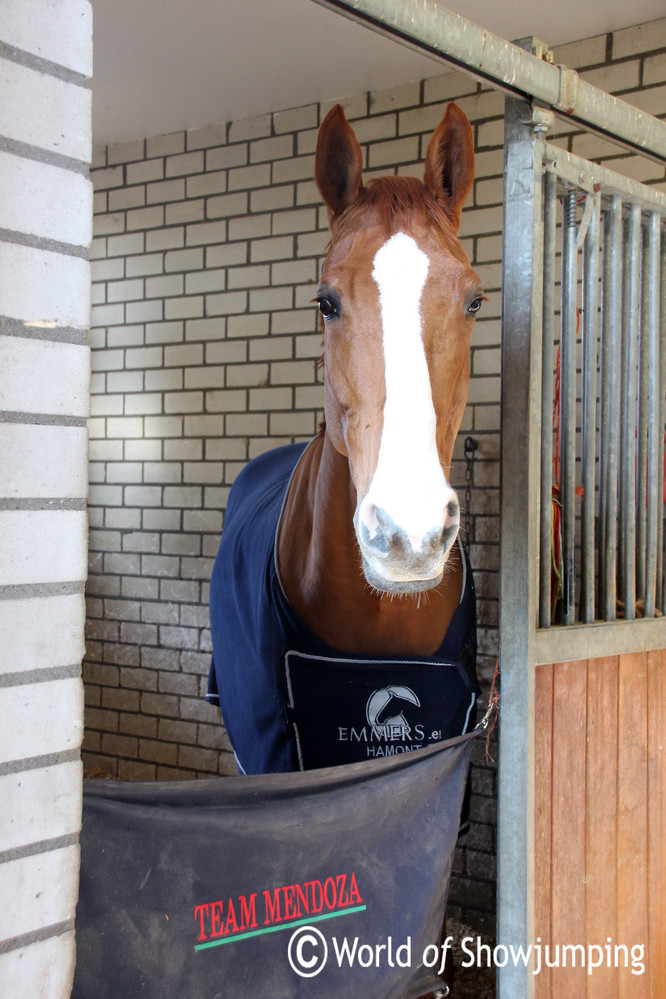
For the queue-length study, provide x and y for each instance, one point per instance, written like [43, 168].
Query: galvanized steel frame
[442, 33]
[599, 413]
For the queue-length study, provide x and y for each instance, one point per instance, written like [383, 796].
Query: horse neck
[320, 569]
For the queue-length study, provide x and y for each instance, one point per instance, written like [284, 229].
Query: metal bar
[547, 393]
[522, 288]
[442, 33]
[643, 407]
[632, 271]
[655, 432]
[586, 176]
[612, 331]
[556, 645]
[661, 589]
[590, 340]
[604, 393]
[568, 404]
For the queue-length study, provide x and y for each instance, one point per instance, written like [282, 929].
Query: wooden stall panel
[601, 837]
[657, 822]
[600, 840]
[543, 780]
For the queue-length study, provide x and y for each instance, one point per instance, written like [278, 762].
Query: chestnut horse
[346, 547]
[398, 298]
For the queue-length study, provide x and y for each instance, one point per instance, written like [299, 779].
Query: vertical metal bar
[612, 331]
[655, 432]
[632, 272]
[568, 405]
[643, 408]
[604, 408]
[522, 287]
[661, 589]
[590, 339]
[547, 393]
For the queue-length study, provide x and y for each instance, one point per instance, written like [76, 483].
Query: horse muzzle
[396, 560]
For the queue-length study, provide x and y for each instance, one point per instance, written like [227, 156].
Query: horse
[342, 603]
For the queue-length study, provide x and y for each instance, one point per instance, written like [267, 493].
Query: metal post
[612, 333]
[604, 401]
[661, 589]
[655, 430]
[568, 404]
[519, 577]
[590, 342]
[629, 395]
[643, 408]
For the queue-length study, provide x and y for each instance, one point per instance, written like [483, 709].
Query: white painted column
[45, 230]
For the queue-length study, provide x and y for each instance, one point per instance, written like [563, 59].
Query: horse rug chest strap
[350, 710]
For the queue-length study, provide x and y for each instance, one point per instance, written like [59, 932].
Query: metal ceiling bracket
[540, 120]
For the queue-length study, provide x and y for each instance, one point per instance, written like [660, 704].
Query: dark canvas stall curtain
[329, 884]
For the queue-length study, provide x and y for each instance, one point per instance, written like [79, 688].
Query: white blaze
[408, 483]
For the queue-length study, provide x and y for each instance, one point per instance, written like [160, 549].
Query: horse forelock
[394, 203]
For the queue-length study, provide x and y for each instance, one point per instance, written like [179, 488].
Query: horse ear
[338, 162]
[449, 168]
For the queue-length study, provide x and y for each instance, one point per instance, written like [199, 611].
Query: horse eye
[327, 308]
[474, 306]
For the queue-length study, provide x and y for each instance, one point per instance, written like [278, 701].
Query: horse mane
[394, 201]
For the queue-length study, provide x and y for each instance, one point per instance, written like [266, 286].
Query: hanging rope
[557, 568]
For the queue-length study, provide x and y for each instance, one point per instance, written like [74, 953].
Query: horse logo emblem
[386, 706]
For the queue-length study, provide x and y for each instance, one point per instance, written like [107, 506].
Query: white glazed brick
[43, 461]
[295, 119]
[40, 719]
[654, 69]
[45, 111]
[39, 285]
[250, 128]
[448, 87]
[165, 145]
[42, 546]
[126, 152]
[614, 79]
[42, 376]
[60, 32]
[44, 200]
[404, 95]
[185, 211]
[385, 154]
[44, 969]
[40, 804]
[39, 891]
[587, 52]
[642, 38]
[43, 632]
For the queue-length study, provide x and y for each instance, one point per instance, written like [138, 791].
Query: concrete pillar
[45, 229]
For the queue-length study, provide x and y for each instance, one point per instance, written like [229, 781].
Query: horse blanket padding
[329, 884]
[288, 699]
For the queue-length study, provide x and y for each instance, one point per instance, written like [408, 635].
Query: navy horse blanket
[290, 701]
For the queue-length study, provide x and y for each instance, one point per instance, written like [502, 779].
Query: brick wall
[45, 229]
[205, 349]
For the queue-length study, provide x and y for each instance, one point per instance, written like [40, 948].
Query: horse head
[398, 298]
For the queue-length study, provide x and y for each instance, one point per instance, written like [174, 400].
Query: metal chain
[471, 445]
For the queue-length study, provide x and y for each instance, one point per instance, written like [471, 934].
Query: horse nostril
[386, 524]
[452, 513]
